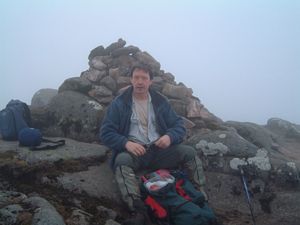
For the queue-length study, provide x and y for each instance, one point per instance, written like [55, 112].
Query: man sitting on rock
[137, 117]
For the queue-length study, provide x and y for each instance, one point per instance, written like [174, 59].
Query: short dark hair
[142, 66]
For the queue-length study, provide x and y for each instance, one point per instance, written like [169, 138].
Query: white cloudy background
[241, 58]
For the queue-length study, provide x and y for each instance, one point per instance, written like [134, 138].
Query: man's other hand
[163, 142]
[135, 148]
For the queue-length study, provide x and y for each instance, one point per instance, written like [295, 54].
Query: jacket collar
[156, 97]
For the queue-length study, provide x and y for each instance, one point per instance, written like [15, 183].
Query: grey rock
[97, 63]
[77, 84]
[146, 58]
[124, 63]
[260, 160]
[79, 217]
[168, 77]
[114, 73]
[195, 109]
[287, 174]
[110, 83]
[188, 123]
[284, 128]
[100, 91]
[45, 213]
[177, 92]
[42, 97]
[97, 181]
[225, 192]
[9, 214]
[179, 106]
[10, 197]
[237, 146]
[72, 150]
[99, 51]
[125, 51]
[93, 75]
[209, 148]
[256, 134]
[111, 222]
[119, 44]
[236, 162]
[111, 214]
[105, 100]
[107, 60]
[123, 82]
[74, 115]
[158, 83]
[284, 209]
[102, 94]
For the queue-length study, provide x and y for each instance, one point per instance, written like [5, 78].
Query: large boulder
[237, 145]
[78, 84]
[98, 63]
[45, 213]
[74, 115]
[93, 75]
[284, 128]
[177, 92]
[98, 51]
[42, 97]
[256, 134]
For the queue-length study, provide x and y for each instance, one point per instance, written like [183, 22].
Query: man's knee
[188, 152]
[123, 159]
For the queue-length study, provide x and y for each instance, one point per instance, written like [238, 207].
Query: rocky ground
[74, 185]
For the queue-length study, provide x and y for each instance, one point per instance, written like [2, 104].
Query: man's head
[141, 79]
[142, 66]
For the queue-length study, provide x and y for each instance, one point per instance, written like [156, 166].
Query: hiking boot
[135, 219]
[196, 175]
[128, 185]
[139, 216]
[202, 190]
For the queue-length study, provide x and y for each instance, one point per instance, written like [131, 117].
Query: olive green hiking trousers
[177, 156]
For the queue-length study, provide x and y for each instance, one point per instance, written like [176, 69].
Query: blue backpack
[13, 119]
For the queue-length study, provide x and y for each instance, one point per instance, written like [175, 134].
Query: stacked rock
[78, 109]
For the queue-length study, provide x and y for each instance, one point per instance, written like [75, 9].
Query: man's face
[140, 81]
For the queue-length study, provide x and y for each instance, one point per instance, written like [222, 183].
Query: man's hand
[163, 142]
[135, 148]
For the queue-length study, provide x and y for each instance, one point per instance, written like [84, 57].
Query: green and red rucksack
[172, 200]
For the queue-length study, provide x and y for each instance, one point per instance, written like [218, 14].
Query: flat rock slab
[97, 181]
[72, 150]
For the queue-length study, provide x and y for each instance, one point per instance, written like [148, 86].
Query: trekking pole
[247, 193]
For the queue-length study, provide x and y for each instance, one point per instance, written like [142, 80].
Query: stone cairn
[108, 73]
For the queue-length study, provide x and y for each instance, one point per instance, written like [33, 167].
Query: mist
[241, 58]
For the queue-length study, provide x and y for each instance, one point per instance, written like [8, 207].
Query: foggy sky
[241, 58]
